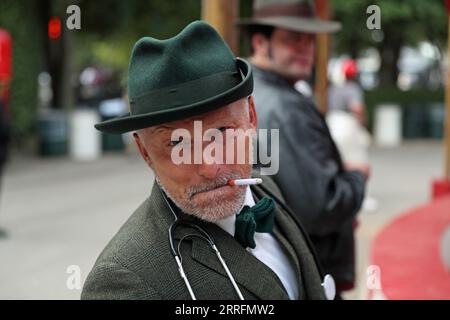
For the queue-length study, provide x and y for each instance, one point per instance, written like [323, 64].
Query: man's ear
[252, 112]
[260, 44]
[142, 149]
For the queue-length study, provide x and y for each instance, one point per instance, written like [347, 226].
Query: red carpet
[408, 253]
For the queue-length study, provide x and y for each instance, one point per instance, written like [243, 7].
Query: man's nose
[208, 171]
[209, 168]
[306, 41]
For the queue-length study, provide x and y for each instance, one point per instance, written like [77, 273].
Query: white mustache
[219, 181]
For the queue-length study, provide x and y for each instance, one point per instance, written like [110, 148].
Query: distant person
[324, 192]
[349, 96]
[5, 78]
[347, 117]
[4, 137]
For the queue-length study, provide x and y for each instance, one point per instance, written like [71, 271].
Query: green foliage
[406, 99]
[407, 21]
[111, 27]
[19, 19]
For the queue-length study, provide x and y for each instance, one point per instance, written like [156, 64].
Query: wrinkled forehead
[231, 113]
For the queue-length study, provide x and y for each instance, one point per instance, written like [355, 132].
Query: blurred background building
[55, 68]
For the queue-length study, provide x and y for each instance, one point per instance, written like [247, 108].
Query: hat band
[185, 93]
[295, 9]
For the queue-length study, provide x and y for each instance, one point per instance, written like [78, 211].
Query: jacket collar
[270, 76]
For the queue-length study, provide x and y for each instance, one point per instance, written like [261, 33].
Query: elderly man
[169, 248]
[325, 193]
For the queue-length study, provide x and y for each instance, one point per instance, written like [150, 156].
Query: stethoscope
[328, 283]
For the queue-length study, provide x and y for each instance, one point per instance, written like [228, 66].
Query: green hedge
[20, 20]
[416, 105]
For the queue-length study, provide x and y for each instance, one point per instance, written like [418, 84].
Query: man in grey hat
[325, 193]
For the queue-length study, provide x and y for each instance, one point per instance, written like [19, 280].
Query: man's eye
[173, 143]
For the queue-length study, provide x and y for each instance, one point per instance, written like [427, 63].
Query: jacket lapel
[310, 287]
[292, 257]
[289, 250]
[311, 282]
[246, 269]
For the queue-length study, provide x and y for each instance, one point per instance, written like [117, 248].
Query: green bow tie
[258, 218]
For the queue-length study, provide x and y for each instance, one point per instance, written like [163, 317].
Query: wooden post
[447, 114]
[322, 43]
[441, 187]
[221, 14]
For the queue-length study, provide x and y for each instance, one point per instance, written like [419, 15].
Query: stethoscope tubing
[205, 236]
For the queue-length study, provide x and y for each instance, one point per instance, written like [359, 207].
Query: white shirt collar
[228, 224]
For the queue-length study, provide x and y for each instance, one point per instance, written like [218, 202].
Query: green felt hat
[189, 74]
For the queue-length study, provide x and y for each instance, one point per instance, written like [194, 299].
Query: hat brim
[308, 25]
[129, 122]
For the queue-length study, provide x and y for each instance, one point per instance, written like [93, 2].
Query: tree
[19, 18]
[111, 27]
[403, 22]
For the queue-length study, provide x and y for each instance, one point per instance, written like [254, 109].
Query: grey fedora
[296, 15]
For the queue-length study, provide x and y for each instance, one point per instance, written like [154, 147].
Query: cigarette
[244, 182]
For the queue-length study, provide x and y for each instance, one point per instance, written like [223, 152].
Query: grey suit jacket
[138, 264]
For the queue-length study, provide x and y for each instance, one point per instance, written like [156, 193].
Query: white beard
[219, 210]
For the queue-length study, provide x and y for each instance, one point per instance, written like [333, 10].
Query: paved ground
[401, 179]
[59, 213]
